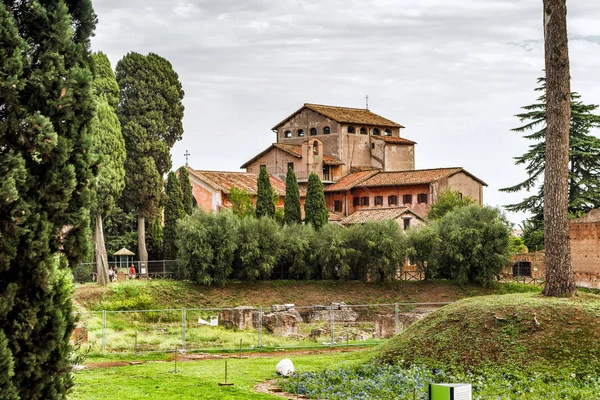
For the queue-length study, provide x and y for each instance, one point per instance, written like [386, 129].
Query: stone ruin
[237, 318]
[283, 320]
[341, 313]
[385, 324]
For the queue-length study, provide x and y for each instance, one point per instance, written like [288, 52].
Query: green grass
[195, 379]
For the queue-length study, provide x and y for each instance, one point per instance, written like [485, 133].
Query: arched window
[326, 131]
[363, 131]
[387, 132]
[315, 148]
[300, 132]
[351, 129]
[375, 131]
[313, 131]
[288, 134]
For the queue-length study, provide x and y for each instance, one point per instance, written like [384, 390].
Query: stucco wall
[205, 196]
[464, 184]
[399, 157]
[305, 120]
[276, 161]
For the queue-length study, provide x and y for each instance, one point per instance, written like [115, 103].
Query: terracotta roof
[294, 150]
[377, 215]
[589, 218]
[333, 216]
[224, 181]
[348, 115]
[350, 180]
[393, 140]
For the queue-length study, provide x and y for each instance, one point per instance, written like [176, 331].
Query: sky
[453, 72]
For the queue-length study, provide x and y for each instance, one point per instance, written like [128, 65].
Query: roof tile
[376, 215]
[224, 181]
[350, 180]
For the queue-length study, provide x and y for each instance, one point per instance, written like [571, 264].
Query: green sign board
[450, 391]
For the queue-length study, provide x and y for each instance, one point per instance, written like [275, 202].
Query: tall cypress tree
[315, 208]
[109, 148]
[174, 211]
[584, 164]
[265, 207]
[186, 190]
[45, 116]
[291, 205]
[150, 111]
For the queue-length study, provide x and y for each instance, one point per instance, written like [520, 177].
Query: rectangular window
[356, 201]
[392, 200]
[406, 223]
[291, 166]
[460, 195]
[364, 201]
[337, 205]
[407, 199]
[378, 201]
[422, 198]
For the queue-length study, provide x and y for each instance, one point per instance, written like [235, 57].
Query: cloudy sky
[454, 72]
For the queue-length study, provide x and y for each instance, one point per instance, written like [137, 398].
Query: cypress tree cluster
[186, 190]
[46, 168]
[315, 208]
[265, 207]
[291, 205]
[174, 211]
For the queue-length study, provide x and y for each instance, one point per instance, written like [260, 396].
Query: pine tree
[265, 206]
[291, 207]
[150, 111]
[315, 208]
[45, 116]
[174, 211]
[109, 148]
[186, 190]
[584, 165]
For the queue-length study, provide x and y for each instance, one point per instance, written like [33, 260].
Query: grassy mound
[523, 330]
[172, 294]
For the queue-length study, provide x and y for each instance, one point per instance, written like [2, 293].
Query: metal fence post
[260, 315]
[397, 319]
[332, 324]
[183, 325]
[103, 331]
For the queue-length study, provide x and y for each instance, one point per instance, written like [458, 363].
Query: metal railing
[246, 328]
[157, 269]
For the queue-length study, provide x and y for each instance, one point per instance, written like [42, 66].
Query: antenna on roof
[367, 99]
[187, 154]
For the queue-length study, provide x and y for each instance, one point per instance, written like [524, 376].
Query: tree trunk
[101, 258]
[143, 253]
[559, 275]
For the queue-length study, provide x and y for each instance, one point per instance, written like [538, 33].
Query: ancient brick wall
[585, 251]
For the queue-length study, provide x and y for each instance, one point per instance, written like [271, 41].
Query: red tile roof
[365, 215]
[400, 178]
[348, 115]
[224, 181]
[294, 150]
[589, 218]
[394, 140]
[350, 180]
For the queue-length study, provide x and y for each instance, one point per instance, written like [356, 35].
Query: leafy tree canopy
[447, 201]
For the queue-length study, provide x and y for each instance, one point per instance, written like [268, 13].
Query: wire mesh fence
[247, 328]
[154, 269]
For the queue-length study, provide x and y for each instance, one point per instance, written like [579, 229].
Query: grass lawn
[196, 379]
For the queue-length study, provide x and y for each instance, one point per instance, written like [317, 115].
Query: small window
[460, 195]
[392, 200]
[522, 268]
[364, 201]
[387, 132]
[351, 129]
[337, 205]
[372, 146]
[406, 223]
[291, 166]
[356, 201]
[326, 130]
[378, 201]
[407, 199]
[315, 148]
[300, 132]
[313, 131]
[363, 131]
[288, 134]
[376, 132]
[422, 198]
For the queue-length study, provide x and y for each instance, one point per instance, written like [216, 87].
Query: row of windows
[392, 200]
[313, 132]
[364, 131]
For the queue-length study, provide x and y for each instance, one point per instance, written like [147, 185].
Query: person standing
[132, 272]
